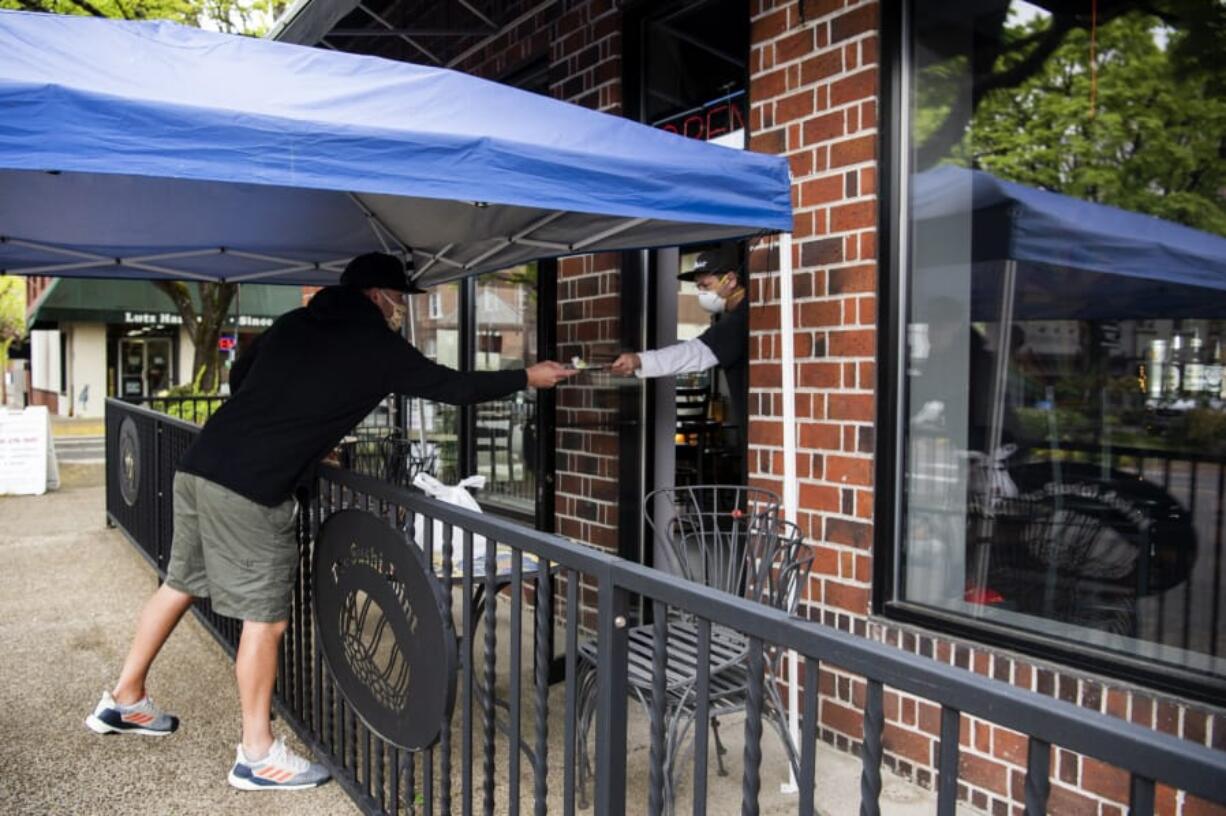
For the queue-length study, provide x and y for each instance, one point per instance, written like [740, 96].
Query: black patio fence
[501, 752]
[195, 409]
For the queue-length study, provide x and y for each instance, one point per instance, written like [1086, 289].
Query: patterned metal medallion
[128, 462]
[383, 629]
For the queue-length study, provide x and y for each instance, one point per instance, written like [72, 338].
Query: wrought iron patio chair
[392, 459]
[1061, 559]
[725, 538]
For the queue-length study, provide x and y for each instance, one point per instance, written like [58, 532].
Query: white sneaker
[282, 769]
[142, 717]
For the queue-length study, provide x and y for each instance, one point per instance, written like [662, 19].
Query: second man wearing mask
[721, 291]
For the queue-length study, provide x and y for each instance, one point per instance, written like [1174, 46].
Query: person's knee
[175, 594]
[264, 629]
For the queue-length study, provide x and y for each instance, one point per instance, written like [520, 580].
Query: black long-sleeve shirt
[728, 339]
[310, 378]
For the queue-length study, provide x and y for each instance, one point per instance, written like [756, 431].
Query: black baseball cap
[379, 270]
[724, 258]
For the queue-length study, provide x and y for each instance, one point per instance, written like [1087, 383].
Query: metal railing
[480, 764]
[194, 409]
[1188, 615]
[504, 441]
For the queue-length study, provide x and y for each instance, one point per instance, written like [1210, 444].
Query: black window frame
[893, 227]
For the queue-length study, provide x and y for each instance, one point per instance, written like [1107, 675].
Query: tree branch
[87, 7]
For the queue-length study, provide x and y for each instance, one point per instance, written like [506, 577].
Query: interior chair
[694, 431]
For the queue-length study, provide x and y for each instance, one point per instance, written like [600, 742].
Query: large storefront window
[1063, 451]
[436, 329]
[505, 430]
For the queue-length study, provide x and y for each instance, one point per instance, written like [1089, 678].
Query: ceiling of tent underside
[253, 233]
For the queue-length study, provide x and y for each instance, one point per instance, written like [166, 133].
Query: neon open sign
[714, 119]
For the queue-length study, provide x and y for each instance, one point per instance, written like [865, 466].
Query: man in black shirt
[302, 385]
[721, 291]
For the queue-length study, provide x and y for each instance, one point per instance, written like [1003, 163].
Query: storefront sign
[153, 318]
[174, 319]
[251, 321]
[710, 122]
[27, 452]
[383, 628]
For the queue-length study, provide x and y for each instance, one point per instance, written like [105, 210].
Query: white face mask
[395, 321]
[710, 301]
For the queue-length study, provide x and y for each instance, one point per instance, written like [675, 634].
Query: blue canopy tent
[150, 149]
[1038, 255]
[1069, 259]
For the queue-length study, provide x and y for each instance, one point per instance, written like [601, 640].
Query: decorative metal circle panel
[383, 628]
[129, 462]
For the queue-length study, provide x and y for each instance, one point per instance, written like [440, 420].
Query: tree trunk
[203, 326]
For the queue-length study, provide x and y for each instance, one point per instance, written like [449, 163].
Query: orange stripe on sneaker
[137, 717]
[273, 774]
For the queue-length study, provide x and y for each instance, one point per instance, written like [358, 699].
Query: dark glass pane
[506, 429]
[436, 329]
[1064, 401]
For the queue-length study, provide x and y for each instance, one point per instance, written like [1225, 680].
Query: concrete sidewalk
[70, 590]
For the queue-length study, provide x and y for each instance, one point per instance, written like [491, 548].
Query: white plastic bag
[452, 494]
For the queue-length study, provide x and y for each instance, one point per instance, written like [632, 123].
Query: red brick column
[813, 98]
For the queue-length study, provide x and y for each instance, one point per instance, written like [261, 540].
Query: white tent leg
[791, 489]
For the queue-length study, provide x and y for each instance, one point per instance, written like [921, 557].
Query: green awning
[94, 300]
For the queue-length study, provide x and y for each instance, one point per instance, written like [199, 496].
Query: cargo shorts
[240, 554]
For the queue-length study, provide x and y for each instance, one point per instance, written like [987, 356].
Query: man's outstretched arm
[412, 374]
[679, 358]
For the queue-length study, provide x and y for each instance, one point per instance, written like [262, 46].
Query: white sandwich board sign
[27, 452]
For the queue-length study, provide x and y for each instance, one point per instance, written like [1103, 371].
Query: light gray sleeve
[681, 358]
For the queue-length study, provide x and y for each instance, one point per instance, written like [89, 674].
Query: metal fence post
[157, 500]
[611, 668]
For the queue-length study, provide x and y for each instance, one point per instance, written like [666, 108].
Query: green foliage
[12, 308]
[250, 17]
[1205, 431]
[1150, 138]
[12, 315]
[180, 11]
[190, 401]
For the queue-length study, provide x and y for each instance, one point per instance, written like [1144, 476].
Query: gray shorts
[236, 552]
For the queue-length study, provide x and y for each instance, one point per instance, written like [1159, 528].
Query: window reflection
[436, 328]
[1065, 410]
[505, 438]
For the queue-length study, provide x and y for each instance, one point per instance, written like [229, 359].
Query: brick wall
[813, 98]
[582, 43]
[35, 286]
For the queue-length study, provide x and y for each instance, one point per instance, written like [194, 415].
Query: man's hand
[626, 364]
[547, 374]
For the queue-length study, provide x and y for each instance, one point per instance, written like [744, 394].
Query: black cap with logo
[379, 270]
[724, 258]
